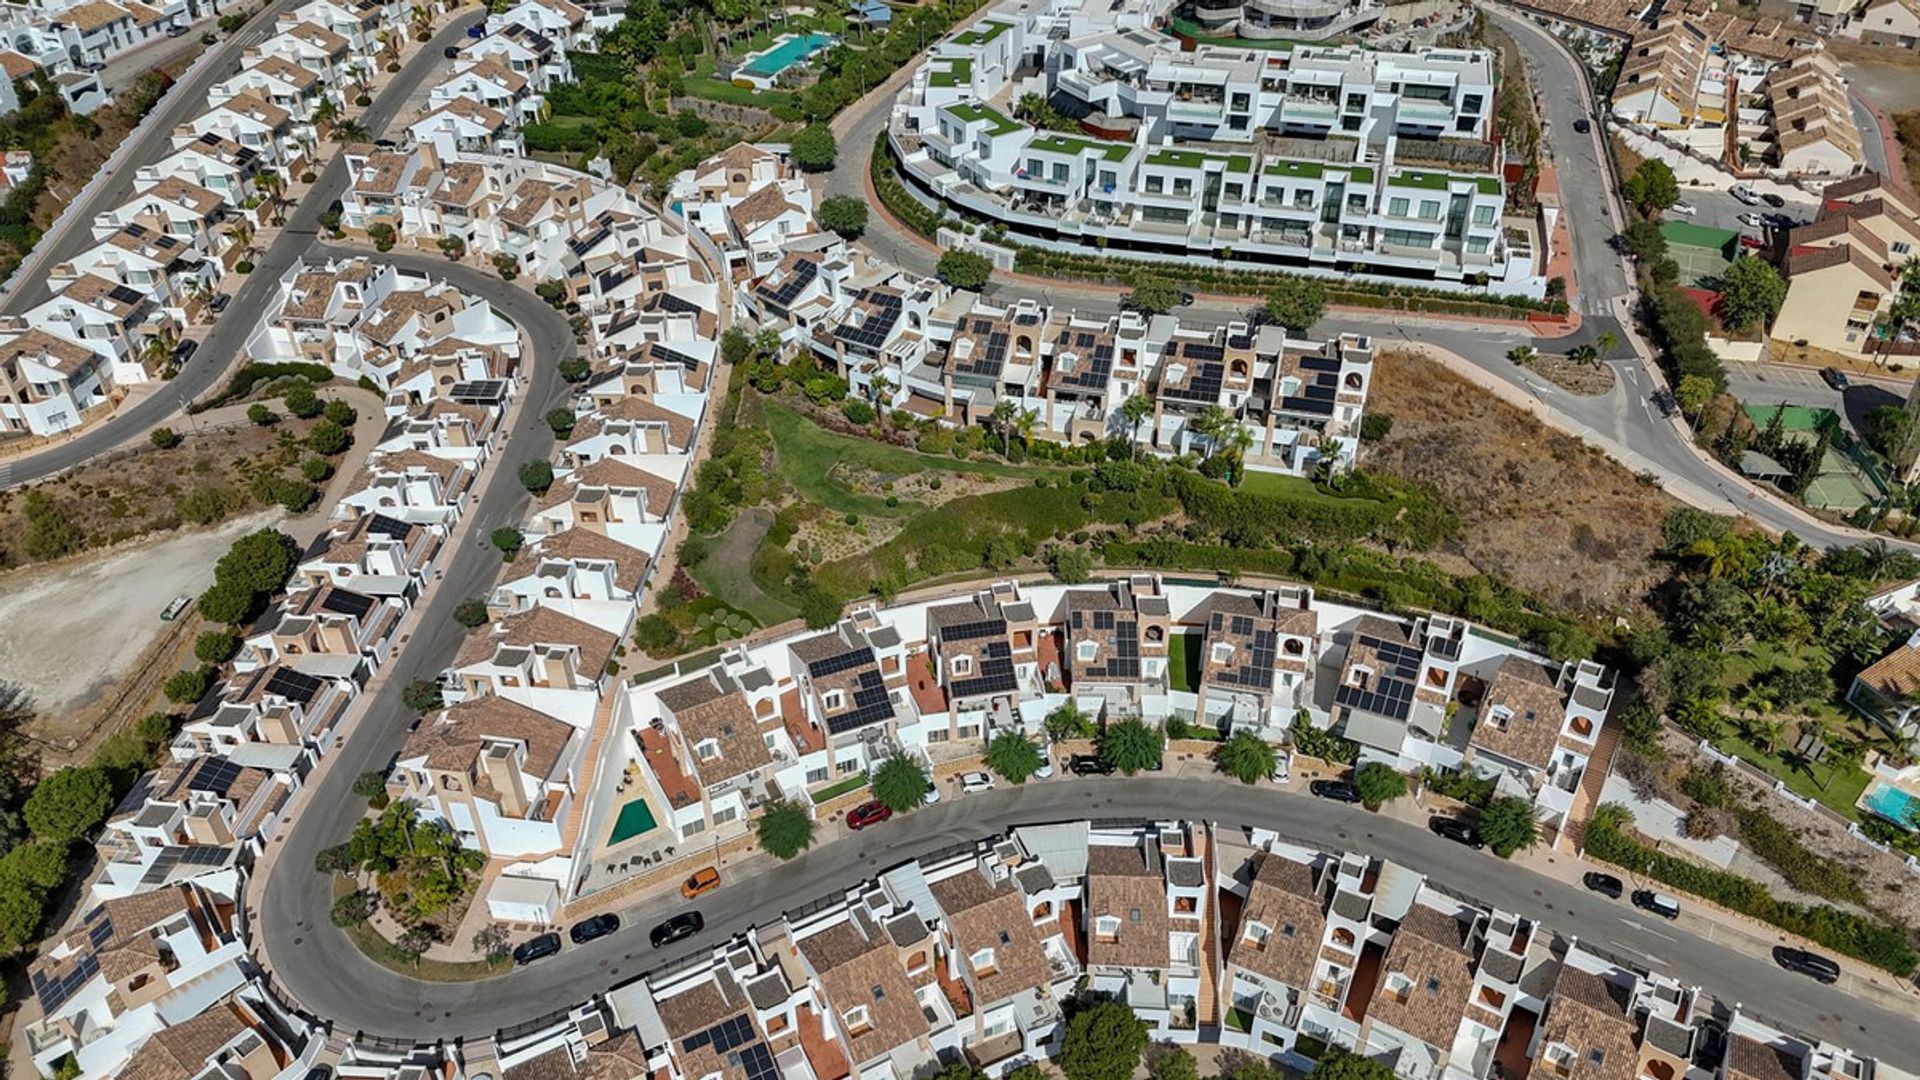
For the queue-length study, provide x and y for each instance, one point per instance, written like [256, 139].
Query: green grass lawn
[1836, 788]
[807, 453]
[1183, 662]
[851, 783]
[570, 120]
[727, 571]
[704, 82]
[1290, 487]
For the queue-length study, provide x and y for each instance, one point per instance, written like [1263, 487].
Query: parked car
[1659, 903]
[477, 30]
[1456, 830]
[1806, 963]
[1337, 790]
[868, 813]
[219, 302]
[1774, 201]
[597, 927]
[94, 67]
[1088, 765]
[1282, 767]
[1683, 209]
[1752, 221]
[1583, 125]
[703, 881]
[451, 52]
[679, 928]
[536, 948]
[1045, 771]
[176, 30]
[1605, 884]
[1745, 194]
[1836, 378]
[974, 783]
[185, 350]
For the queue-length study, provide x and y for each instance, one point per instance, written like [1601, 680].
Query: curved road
[328, 975]
[229, 334]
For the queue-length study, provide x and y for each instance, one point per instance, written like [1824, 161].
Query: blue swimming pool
[1891, 803]
[788, 53]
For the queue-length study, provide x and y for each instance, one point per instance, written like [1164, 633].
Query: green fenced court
[1702, 254]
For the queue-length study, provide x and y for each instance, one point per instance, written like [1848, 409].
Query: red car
[870, 813]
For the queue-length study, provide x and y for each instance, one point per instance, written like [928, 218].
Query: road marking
[1643, 928]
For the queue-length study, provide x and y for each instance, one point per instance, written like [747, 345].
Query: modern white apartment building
[1327, 160]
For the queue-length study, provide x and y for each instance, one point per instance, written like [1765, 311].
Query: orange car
[701, 883]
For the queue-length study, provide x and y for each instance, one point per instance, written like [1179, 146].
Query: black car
[1659, 903]
[219, 303]
[1835, 378]
[1337, 790]
[1774, 201]
[1605, 884]
[1582, 125]
[1460, 832]
[597, 927]
[451, 52]
[679, 928]
[1807, 963]
[185, 350]
[1089, 765]
[535, 948]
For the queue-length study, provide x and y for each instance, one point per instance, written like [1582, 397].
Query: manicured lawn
[1183, 662]
[701, 82]
[1841, 787]
[1289, 487]
[727, 571]
[851, 783]
[808, 452]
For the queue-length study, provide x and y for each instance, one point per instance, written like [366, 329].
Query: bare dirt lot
[1538, 508]
[70, 630]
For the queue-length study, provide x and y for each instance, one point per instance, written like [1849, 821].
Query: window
[833, 700]
[1900, 247]
[1059, 173]
[1257, 934]
[1478, 245]
[1035, 168]
[706, 749]
[1109, 179]
[962, 665]
[1483, 215]
[726, 814]
[1397, 207]
[1398, 986]
[856, 1020]
[1470, 103]
[817, 776]
[1222, 652]
[1107, 926]
[1433, 985]
[851, 765]
[982, 962]
[1356, 102]
[1430, 209]
[1182, 186]
[1156, 185]
[1086, 651]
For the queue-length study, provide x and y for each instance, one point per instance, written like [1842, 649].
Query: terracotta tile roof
[286, 71]
[984, 915]
[1282, 900]
[181, 1051]
[713, 709]
[764, 205]
[581, 545]
[679, 426]
[126, 947]
[613, 473]
[540, 626]
[399, 309]
[862, 970]
[1430, 951]
[695, 1010]
[526, 202]
[467, 109]
[89, 17]
[15, 65]
[1895, 675]
[1589, 1015]
[1522, 715]
[254, 107]
[58, 353]
[618, 1058]
[192, 196]
[320, 37]
[453, 740]
[460, 181]
[1750, 1059]
[1121, 885]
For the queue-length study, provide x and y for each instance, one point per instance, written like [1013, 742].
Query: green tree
[216, 646]
[1652, 188]
[372, 787]
[352, 909]
[260, 413]
[302, 402]
[1751, 292]
[1154, 296]
[67, 805]
[844, 215]
[316, 469]
[1508, 825]
[1693, 394]
[1071, 565]
[784, 829]
[1171, 1061]
[327, 438]
[575, 369]
[1014, 756]
[471, 612]
[1068, 722]
[1339, 1064]
[491, 942]
[41, 865]
[1379, 784]
[536, 476]
[164, 438]
[508, 540]
[1297, 303]
[1131, 745]
[1889, 429]
[227, 602]
[379, 232]
[186, 686]
[655, 634]
[421, 695]
[1104, 1041]
[819, 607]
[1643, 240]
[814, 148]
[340, 412]
[1135, 411]
[900, 782]
[561, 421]
[1245, 756]
[261, 561]
[964, 269]
[21, 910]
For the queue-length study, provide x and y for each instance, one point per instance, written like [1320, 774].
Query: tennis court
[1702, 254]
[1845, 482]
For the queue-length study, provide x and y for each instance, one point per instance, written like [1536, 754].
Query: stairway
[1587, 798]
[589, 768]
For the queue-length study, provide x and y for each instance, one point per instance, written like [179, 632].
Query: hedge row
[900, 202]
[1805, 869]
[561, 138]
[1870, 940]
[1374, 510]
[251, 375]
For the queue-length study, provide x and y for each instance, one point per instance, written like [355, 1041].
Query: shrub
[259, 413]
[352, 909]
[1379, 784]
[340, 412]
[785, 829]
[508, 540]
[316, 469]
[655, 634]
[244, 266]
[857, 412]
[1507, 825]
[964, 269]
[164, 438]
[302, 402]
[421, 695]
[327, 438]
[382, 235]
[1375, 426]
[561, 421]
[471, 613]
[186, 686]
[536, 476]
[216, 646]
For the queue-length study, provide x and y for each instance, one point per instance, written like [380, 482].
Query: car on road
[1088, 765]
[1811, 964]
[1774, 201]
[1752, 221]
[477, 30]
[94, 67]
[973, 783]
[536, 948]
[1583, 125]
[1337, 790]
[1683, 209]
[185, 350]
[679, 928]
[597, 927]
[868, 813]
[1745, 194]
[451, 52]
[1456, 830]
[176, 30]
[1835, 378]
[1605, 884]
[1659, 903]
[219, 302]
[704, 880]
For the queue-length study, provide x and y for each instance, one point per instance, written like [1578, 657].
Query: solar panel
[343, 602]
[1242, 625]
[724, 1037]
[757, 1062]
[972, 630]
[993, 675]
[215, 775]
[294, 685]
[382, 525]
[100, 931]
[126, 295]
[833, 665]
[793, 284]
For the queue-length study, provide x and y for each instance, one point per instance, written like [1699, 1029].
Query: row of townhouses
[1324, 159]
[906, 342]
[1844, 271]
[1210, 935]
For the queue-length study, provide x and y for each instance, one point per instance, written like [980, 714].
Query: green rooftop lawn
[1299, 170]
[1194, 159]
[958, 72]
[998, 123]
[985, 32]
[1074, 146]
[1430, 180]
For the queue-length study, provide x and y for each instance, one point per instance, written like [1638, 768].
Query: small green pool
[636, 819]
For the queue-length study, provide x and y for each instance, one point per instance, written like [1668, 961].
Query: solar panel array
[871, 705]
[1256, 645]
[757, 1062]
[662, 352]
[54, 993]
[1095, 366]
[1391, 692]
[382, 525]
[214, 775]
[992, 675]
[839, 662]
[294, 685]
[1206, 369]
[678, 305]
[882, 312]
[792, 285]
[974, 630]
[189, 855]
[125, 295]
[1122, 661]
[580, 245]
[342, 602]
[724, 1037]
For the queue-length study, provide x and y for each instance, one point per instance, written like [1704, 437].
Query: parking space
[1720, 210]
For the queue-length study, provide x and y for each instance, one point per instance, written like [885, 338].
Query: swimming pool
[636, 819]
[788, 52]
[1889, 802]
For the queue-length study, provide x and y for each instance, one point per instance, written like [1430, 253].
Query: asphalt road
[314, 961]
[228, 337]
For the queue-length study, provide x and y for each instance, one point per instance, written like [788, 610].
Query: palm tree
[271, 185]
[421, 18]
[1135, 411]
[159, 346]
[880, 387]
[351, 131]
[326, 114]
[1024, 422]
[1001, 420]
[1584, 354]
[241, 233]
[1520, 354]
[1605, 342]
